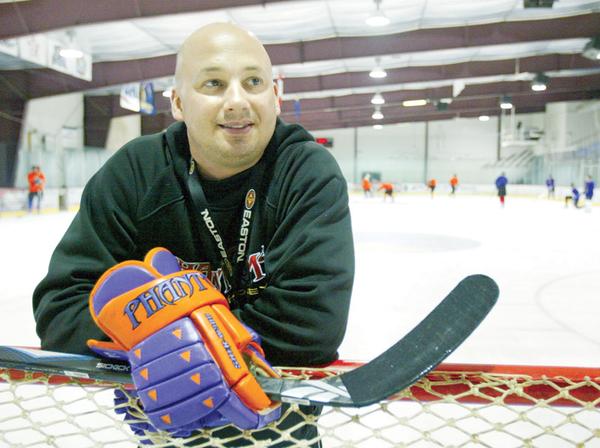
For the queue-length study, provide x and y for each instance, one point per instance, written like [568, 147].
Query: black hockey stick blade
[409, 359]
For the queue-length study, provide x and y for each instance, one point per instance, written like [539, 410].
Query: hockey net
[454, 406]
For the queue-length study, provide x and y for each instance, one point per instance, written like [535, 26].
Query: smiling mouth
[236, 125]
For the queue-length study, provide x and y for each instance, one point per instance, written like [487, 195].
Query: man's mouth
[237, 127]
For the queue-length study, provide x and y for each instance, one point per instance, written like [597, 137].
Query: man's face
[227, 98]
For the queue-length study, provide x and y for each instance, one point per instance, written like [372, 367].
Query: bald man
[231, 190]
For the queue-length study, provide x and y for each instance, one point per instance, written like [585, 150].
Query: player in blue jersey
[551, 187]
[501, 182]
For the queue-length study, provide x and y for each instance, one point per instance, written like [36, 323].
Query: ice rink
[409, 255]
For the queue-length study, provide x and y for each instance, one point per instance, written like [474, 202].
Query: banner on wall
[130, 97]
[39, 50]
[147, 105]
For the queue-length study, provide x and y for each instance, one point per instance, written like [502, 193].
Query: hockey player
[388, 190]
[574, 196]
[366, 186]
[550, 185]
[588, 190]
[453, 184]
[37, 182]
[501, 182]
[431, 184]
[229, 189]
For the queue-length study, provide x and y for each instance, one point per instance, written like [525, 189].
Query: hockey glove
[187, 350]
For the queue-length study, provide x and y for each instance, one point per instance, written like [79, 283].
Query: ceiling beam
[22, 18]
[45, 82]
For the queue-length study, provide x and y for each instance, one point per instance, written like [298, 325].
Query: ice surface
[409, 255]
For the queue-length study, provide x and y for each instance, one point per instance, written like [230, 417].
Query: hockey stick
[409, 359]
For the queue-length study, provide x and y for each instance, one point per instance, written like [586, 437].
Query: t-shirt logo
[256, 262]
[250, 198]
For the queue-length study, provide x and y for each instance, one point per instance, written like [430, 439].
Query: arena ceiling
[461, 56]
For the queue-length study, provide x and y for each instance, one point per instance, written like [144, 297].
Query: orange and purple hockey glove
[187, 350]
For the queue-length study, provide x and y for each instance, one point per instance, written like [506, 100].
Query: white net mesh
[455, 406]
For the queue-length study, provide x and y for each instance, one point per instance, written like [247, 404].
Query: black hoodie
[300, 237]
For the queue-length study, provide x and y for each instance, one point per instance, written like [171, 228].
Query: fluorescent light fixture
[484, 118]
[377, 99]
[413, 103]
[378, 72]
[540, 82]
[506, 103]
[378, 18]
[377, 115]
[377, 127]
[71, 53]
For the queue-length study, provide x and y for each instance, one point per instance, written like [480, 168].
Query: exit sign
[325, 141]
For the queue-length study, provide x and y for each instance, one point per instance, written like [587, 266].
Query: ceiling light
[506, 102]
[540, 82]
[377, 99]
[378, 72]
[484, 118]
[378, 18]
[377, 126]
[377, 115]
[592, 49]
[71, 53]
[70, 50]
[413, 103]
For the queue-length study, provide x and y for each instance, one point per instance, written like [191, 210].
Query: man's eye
[213, 83]
[255, 81]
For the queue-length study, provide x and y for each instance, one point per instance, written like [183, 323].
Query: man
[453, 184]
[230, 189]
[574, 196]
[550, 185]
[366, 186]
[501, 182]
[388, 190]
[588, 189]
[431, 184]
[37, 181]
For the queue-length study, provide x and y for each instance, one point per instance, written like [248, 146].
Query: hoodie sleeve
[302, 313]
[101, 234]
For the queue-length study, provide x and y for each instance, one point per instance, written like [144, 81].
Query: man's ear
[277, 99]
[176, 107]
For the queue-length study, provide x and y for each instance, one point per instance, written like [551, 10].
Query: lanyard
[236, 269]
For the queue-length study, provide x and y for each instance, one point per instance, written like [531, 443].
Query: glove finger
[118, 280]
[257, 358]
[238, 413]
[162, 260]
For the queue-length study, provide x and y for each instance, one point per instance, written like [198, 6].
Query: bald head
[220, 37]
[224, 92]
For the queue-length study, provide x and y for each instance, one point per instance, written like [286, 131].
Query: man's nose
[235, 97]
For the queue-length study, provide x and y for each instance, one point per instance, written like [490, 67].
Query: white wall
[122, 130]
[461, 146]
[52, 137]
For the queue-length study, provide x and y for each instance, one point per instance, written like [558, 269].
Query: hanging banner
[147, 105]
[130, 97]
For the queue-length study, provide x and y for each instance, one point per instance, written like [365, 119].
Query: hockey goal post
[457, 405]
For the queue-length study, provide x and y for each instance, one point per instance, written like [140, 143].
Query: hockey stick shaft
[409, 359]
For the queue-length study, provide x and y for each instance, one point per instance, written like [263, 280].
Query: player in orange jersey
[366, 186]
[388, 190]
[453, 184]
[37, 182]
[431, 184]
